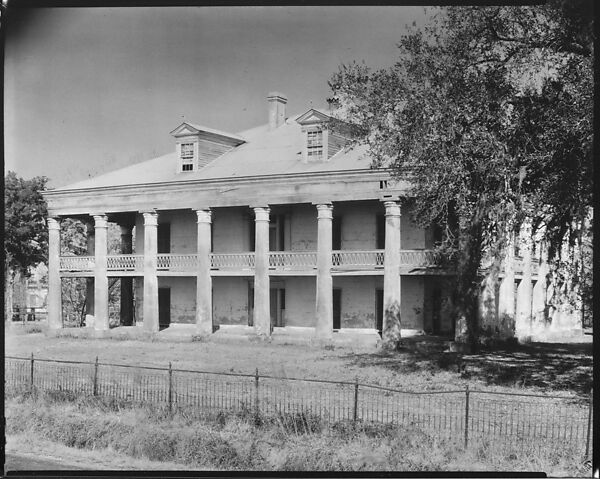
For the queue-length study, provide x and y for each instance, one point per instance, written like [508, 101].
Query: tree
[488, 112]
[74, 242]
[25, 230]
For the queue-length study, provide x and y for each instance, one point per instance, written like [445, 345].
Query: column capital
[325, 211]
[150, 218]
[100, 221]
[204, 215]
[53, 223]
[261, 213]
[392, 208]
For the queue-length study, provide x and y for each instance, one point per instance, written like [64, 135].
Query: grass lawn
[418, 365]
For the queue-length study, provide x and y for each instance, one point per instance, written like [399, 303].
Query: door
[336, 233]
[164, 307]
[337, 309]
[436, 312]
[163, 239]
[380, 232]
[379, 310]
[277, 306]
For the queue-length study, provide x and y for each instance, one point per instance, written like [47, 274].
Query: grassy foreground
[525, 369]
[237, 442]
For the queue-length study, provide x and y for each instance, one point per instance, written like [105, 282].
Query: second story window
[314, 146]
[187, 156]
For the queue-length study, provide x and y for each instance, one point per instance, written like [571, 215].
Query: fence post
[31, 375]
[589, 424]
[96, 377]
[355, 414]
[256, 405]
[170, 388]
[466, 416]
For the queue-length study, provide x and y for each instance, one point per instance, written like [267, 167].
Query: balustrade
[232, 260]
[76, 263]
[417, 258]
[125, 262]
[292, 259]
[177, 262]
[360, 259]
[278, 260]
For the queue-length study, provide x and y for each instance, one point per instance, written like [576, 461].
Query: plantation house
[279, 229]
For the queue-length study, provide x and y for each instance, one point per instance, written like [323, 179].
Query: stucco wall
[183, 297]
[303, 228]
[358, 300]
[184, 231]
[230, 300]
[359, 226]
[300, 301]
[411, 235]
[231, 230]
[411, 302]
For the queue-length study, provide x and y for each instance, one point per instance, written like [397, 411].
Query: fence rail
[467, 415]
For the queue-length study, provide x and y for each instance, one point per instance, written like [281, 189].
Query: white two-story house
[281, 226]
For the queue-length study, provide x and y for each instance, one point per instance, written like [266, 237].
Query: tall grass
[243, 441]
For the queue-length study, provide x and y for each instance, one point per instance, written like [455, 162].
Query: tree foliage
[25, 230]
[488, 111]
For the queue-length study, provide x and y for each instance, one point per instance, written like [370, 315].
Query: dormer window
[314, 145]
[187, 157]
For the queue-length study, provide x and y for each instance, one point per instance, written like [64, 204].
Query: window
[314, 145]
[187, 156]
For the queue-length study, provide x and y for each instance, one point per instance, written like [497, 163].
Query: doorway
[337, 309]
[436, 312]
[164, 308]
[277, 306]
[379, 310]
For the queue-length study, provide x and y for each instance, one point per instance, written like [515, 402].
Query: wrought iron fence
[466, 415]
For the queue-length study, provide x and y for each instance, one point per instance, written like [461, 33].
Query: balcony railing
[357, 259]
[421, 258]
[232, 260]
[292, 259]
[76, 263]
[125, 262]
[177, 262]
[278, 260]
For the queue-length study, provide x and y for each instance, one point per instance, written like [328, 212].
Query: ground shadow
[551, 366]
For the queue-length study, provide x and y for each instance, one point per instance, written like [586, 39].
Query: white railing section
[357, 259]
[177, 262]
[125, 262]
[292, 259]
[76, 263]
[417, 258]
[232, 260]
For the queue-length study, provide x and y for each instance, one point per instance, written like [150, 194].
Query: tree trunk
[467, 286]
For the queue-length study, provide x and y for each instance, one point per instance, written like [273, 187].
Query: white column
[524, 291]
[391, 279]
[506, 294]
[100, 277]
[262, 310]
[54, 286]
[324, 300]
[150, 308]
[204, 325]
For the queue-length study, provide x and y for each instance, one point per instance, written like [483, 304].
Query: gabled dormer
[321, 141]
[196, 145]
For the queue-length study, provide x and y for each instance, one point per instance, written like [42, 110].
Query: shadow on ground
[550, 366]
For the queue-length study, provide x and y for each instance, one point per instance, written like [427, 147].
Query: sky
[89, 90]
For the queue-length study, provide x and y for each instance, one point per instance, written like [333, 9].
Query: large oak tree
[488, 110]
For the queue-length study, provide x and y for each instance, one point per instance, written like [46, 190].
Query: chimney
[277, 103]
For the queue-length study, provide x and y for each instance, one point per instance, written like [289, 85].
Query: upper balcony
[297, 263]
